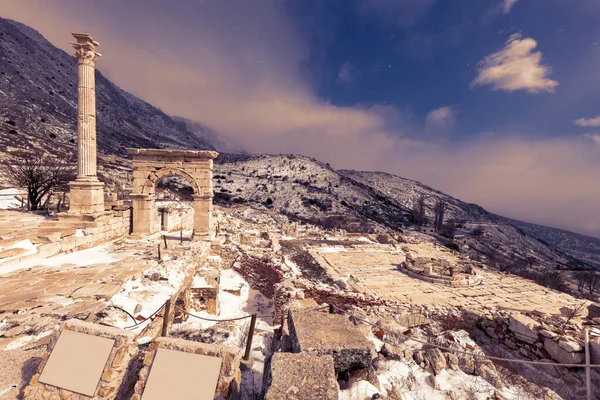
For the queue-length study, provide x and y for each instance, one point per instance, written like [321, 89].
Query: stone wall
[176, 219]
[114, 382]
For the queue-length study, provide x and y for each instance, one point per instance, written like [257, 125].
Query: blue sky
[496, 102]
[420, 55]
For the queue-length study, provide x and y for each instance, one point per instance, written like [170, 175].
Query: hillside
[406, 192]
[38, 84]
[38, 100]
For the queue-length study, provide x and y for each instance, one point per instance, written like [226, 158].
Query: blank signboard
[76, 362]
[182, 376]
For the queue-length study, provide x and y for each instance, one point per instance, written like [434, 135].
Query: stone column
[86, 192]
[144, 214]
[203, 216]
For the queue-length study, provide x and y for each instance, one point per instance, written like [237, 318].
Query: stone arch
[151, 165]
[156, 175]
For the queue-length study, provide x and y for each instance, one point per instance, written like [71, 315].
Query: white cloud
[516, 66]
[588, 121]
[508, 5]
[594, 137]
[440, 117]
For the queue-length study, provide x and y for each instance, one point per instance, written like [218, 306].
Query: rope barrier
[466, 352]
[125, 311]
[149, 318]
[272, 315]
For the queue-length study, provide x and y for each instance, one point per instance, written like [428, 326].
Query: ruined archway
[151, 165]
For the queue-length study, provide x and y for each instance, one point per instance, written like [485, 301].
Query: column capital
[85, 48]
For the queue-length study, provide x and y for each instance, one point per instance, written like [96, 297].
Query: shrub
[452, 246]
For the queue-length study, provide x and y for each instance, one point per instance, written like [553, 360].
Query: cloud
[588, 121]
[594, 137]
[508, 5]
[515, 67]
[248, 81]
[401, 12]
[440, 117]
[347, 73]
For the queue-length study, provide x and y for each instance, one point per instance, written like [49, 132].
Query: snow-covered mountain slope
[541, 239]
[305, 189]
[38, 103]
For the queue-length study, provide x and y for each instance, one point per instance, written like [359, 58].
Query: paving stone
[301, 377]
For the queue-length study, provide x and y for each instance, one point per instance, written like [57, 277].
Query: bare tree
[589, 280]
[593, 281]
[39, 173]
[439, 209]
[581, 279]
[418, 211]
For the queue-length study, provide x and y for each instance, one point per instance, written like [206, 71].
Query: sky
[496, 102]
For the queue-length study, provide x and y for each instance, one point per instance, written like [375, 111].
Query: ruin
[152, 165]
[86, 191]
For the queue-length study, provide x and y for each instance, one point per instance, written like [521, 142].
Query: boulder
[320, 333]
[570, 345]
[466, 364]
[561, 355]
[301, 377]
[436, 359]
[524, 328]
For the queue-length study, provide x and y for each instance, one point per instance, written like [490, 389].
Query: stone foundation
[86, 197]
[114, 382]
[230, 376]
[320, 333]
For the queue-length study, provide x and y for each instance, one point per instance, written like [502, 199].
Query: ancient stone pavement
[375, 269]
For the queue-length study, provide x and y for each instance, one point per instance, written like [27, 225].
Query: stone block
[301, 377]
[524, 328]
[595, 350]
[561, 355]
[320, 333]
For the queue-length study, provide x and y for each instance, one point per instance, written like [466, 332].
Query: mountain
[38, 84]
[575, 246]
[222, 143]
[38, 103]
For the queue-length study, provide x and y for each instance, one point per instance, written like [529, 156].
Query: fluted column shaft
[86, 121]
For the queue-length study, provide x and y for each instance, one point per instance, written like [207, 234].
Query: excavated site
[339, 315]
[138, 294]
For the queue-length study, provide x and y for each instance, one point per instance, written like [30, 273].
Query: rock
[14, 331]
[302, 377]
[320, 333]
[595, 350]
[561, 355]
[510, 344]
[548, 334]
[524, 328]
[593, 311]
[489, 374]
[436, 359]
[452, 360]
[466, 364]
[570, 345]
[391, 329]
[490, 331]
[393, 352]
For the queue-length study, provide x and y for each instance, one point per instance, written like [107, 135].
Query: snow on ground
[25, 340]
[95, 255]
[23, 244]
[7, 199]
[293, 266]
[331, 249]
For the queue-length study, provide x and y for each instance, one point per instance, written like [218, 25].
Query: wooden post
[165, 240]
[166, 315]
[159, 255]
[181, 236]
[588, 379]
[250, 335]
[331, 309]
